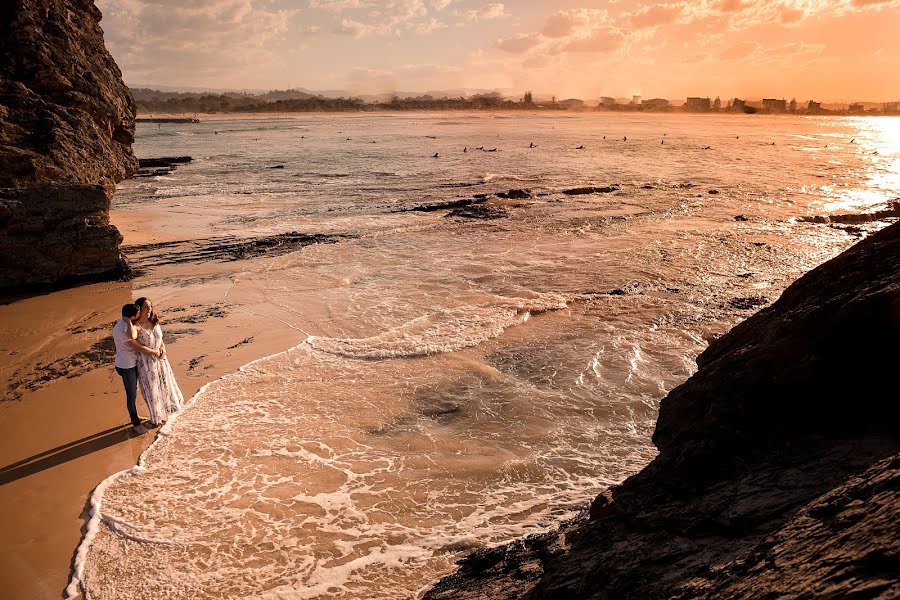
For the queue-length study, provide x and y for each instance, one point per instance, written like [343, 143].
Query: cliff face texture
[779, 465]
[66, 128]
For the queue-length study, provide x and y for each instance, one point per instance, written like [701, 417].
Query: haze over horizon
[841, 50]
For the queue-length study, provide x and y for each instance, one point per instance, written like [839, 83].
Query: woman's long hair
[140, 302]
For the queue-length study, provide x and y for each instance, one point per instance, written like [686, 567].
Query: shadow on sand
[66, 452]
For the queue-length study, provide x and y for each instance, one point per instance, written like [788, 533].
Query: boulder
[778, 472]
[66, 129]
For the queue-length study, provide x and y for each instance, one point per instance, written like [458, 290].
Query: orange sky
[835, 50]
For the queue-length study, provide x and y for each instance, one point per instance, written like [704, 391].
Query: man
[126, 361]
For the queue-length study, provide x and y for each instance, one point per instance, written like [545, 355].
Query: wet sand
[62, 415]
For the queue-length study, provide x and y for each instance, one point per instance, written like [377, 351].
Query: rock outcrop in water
[66, 128]
[779, 466]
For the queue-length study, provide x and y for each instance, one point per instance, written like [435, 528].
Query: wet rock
[748, 302]
[243, 342]
[515, 194]
[163, 161]
[151, 173]
[226, 248]
[66, 119]
[712, 192]
[590, 190]
[769, 480]
[277, 167]
[479, 211]
[447, 205]
[616, 292]
[890, 210]
[741, 218]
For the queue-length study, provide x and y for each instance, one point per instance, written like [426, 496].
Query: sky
[828, 50]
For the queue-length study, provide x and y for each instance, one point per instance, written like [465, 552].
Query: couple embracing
[141, 356]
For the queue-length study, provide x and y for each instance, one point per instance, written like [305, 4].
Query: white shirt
[126, 356]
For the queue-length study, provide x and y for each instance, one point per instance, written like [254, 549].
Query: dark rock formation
[66, 128]
[779, 466]
[57, 233]
[225, 248]
[163, 161]
[591, 190]
[155, 167]
[445, 205]
[887, 211]
[515, 194]
[479, 211]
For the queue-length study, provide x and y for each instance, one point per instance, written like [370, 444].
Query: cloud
[739, 50]
[520, 43]
[790, 15]
[354, 28]
[654, 15]
[339, 6]
[387, 17]
[599, 40]
[744, 14]
[431, 25]
[731, 5]
[149, 37]
[570, 22]
[487, 12]
[579, 30]
[440, 4]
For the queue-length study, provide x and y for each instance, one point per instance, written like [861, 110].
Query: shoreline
[63, 414]
[223, 116]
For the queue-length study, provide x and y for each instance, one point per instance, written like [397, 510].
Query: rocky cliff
[66, 128]
[779, 466]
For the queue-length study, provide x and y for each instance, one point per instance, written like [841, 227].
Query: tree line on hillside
[153, 101]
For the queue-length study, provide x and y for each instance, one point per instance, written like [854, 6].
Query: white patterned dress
[158, 385]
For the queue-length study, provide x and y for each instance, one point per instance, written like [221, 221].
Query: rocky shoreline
[66, 129]
[778, 472]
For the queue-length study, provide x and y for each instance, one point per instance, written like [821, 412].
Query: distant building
[717, 104]
[891, 107]
[635, 99]
[814, 108]
[774, 104]
[857, 107]
[655, 104]
[738, 105]
[697, 104]
[607, 102]
[793, 105]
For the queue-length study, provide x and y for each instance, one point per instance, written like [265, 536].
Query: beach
[65, 434]
[585, 287]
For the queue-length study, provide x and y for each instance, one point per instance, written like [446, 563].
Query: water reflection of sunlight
[877, 143]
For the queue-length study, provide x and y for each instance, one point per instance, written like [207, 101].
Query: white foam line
[76, 589]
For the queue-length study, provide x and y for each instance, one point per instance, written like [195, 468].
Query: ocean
[463, 381]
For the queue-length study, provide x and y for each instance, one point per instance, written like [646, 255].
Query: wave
[489, 177]
[75, 589]
[446, 330]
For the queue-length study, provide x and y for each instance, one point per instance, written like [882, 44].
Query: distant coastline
[166, 120]
[154, 102]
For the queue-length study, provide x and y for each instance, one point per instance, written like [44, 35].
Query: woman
[158, 385]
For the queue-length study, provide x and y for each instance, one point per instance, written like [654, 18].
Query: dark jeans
[129, 378]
